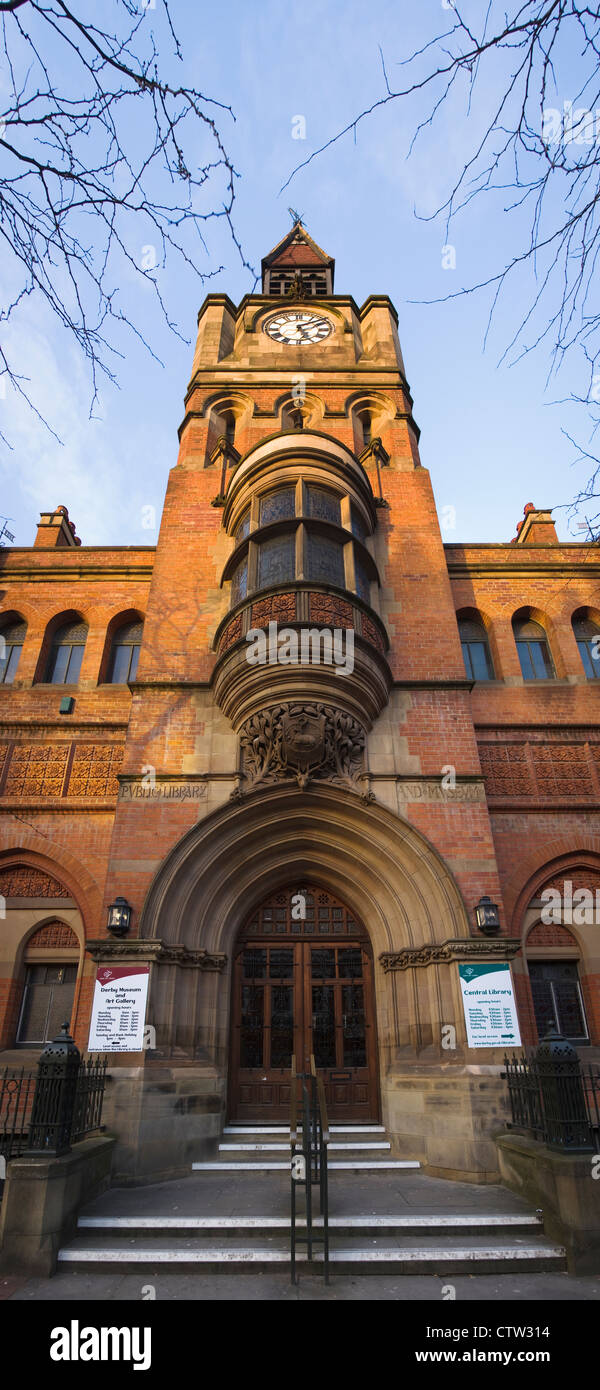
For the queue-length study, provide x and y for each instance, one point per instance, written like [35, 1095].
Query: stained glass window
[324, 505]
[278, 506]
[276, 560]
[363, 583]
[243, 527]
[325, 560]
[239, 582]
[358, 526]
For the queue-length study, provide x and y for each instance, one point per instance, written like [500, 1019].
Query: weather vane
[295, 216]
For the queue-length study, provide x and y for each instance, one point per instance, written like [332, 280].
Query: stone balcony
[243, 688]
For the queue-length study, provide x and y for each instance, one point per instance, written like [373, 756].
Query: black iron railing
[309, 1137]
[554, 1097]
[89, 1097]
[16, 1100]
[48, 1110]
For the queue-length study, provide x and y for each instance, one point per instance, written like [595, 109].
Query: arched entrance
[302, 984]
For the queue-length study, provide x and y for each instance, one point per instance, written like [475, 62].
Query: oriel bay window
[300, 531]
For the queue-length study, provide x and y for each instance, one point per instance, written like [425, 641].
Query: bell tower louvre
[300, 695]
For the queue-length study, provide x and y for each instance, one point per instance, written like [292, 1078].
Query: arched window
[475, 649]
[12, 638]
[587, 636]
[366, 427]
[534, 652]
[125, 653]
[229, 422]
[66, 654]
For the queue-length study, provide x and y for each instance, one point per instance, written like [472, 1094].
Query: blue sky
[491, 434]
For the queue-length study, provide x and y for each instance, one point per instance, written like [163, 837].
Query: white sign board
[489, 1005]
[119, 1008]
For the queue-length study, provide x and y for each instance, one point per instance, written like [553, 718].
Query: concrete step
[257, 1146]
[258, 1131]
[438, 1225]
[260, 1164]
[383, 1254]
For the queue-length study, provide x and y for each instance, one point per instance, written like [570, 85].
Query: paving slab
[262, 1288]
[268, 1194]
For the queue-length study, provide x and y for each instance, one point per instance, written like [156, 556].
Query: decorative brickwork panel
[551, 934]
[51, 935]
[371, 633]
[278, 608]
[3, 753]
[95, 768]
[506, 770]
[232, 633]
[23, 882]
[37, 769]
[561, 770]
[595, 752]
[577, 877]
[331, 611]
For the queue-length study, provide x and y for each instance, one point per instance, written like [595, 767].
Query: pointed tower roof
[297, 249]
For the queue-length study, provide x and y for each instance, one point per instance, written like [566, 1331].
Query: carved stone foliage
[442, 952]
[155, 952]
[23, 882]
[303, 741]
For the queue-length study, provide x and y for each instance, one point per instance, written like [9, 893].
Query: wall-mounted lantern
[487, 916]
[119, 917]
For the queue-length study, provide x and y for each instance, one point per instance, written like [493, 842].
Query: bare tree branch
[535, 154]
[107, 166]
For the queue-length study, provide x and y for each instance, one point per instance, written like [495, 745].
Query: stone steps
[356, 1245]
[266, 1148]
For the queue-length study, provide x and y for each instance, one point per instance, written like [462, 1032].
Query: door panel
[302, 999]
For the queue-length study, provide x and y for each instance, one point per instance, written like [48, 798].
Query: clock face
[297, 326]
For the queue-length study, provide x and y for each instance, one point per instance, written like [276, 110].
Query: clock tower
[302, 674]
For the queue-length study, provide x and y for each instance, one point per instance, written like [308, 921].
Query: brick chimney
[536, 528]
[55, 530]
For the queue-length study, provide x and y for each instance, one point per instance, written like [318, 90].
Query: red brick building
[152, 750]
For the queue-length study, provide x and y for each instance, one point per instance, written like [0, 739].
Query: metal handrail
[309, 1159]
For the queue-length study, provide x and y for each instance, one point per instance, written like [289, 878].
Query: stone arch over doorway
[379, 865]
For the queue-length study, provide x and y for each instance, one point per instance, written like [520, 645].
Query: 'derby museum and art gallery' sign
[489, 1005]
[119, 1008]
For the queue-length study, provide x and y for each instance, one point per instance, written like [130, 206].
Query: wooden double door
[304, 986]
